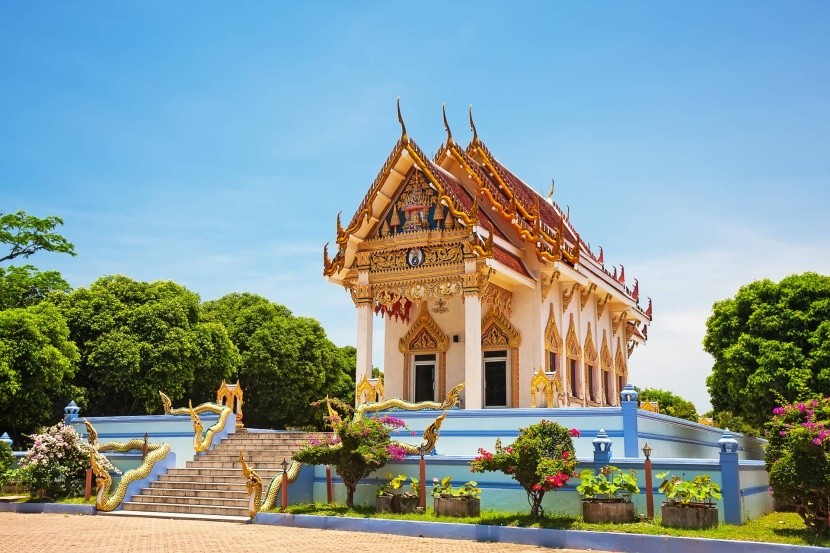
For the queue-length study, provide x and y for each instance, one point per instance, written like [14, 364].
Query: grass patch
[77, 501]
[776, 527]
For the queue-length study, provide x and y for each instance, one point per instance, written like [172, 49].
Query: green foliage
[670, 403]
[395, 483]
[37, 363]
[444, 488]
[287, 361]
[609, 483]
[136, 338]
[699, 490]
[541, 459]
[798, 460]
[357, 448]
[26, 234]
[25, 286]
[6, 462]
[771, 345]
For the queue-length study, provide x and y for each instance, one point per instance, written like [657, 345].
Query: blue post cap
[629, 393]
[728, 443]
[602, 443]
[5, 439]
[72, 408]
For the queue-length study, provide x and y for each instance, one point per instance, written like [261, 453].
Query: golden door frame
[498, 333]
[424, 337]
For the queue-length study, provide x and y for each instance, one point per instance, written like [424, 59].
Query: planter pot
[384, 503]
[405, 504]
[607, 510]
[457, 507]
[690, 515]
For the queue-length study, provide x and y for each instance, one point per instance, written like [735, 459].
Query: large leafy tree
[136, 338]
[26, 285]
[37, 363]
[26, 234]
[670, 403]
[287, 361]
[771, 345]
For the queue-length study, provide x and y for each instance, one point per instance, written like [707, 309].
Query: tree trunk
[350, 489]
[535, 499]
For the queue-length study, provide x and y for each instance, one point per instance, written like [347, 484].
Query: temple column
[364, 341]
[473, 378]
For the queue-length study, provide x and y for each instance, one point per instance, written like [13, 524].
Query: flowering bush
[541, 459]
[798, 460]
[357, 448]
[55, 466]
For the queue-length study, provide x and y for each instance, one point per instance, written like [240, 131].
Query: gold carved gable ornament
[425, 335]
[590, 350]
[573, 350]
[619, 359]
[605, 353]
[496, 331]
[553, 341]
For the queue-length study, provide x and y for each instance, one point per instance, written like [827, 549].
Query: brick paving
[52, 533]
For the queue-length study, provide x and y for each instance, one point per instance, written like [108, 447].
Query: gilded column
[362, 294]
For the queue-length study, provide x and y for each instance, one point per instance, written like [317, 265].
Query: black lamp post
[649, 486]
[284, 484]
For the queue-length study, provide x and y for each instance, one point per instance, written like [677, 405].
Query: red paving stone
[51, 533]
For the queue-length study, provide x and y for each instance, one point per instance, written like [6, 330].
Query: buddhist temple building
[480, 279]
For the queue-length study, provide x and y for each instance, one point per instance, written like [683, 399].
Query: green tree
[287, 361]
[24, 286]
[37, 363]
[26, 234]
[670, 403]
[771, 345]
[136, 338]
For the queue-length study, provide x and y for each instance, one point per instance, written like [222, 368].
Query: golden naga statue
[200, 442]
[103, 481]
[253, 483]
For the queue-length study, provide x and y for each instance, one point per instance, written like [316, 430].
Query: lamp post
[649, 486]
[284, 484]
[422, 473]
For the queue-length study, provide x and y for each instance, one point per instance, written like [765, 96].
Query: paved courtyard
[51, 533]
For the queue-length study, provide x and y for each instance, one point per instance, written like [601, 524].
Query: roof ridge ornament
[473, 127]
[550, 194]
[404, 136]
[446, 124]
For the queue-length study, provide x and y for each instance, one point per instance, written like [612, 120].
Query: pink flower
[537, 487]
[574, 433]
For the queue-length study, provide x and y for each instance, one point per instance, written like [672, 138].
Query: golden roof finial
[404, 136]
[473, 126]
[550, 194]
[446, 125]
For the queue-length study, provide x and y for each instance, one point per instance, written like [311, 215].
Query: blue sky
[213, 143]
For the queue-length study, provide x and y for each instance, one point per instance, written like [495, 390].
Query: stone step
[196, 492]
[237, 502]
[181, 516]
[235, 465]
[250, 458]
[185, 509]
[201, 486]
[218, 472]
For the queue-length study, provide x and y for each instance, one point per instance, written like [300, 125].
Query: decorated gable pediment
[424, 336]
[553, 341]
[590, 350]
[572, 342]
[416, 208]
[496, 331]
[605, 353]
[619, 359]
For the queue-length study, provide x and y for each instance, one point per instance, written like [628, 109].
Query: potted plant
[606, 496]
[456, 502]
[689, 503]
[389, 501]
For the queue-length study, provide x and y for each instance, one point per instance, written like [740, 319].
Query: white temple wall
[393, 358]
[526, 319]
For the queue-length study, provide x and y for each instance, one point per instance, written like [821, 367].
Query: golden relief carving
[619, 360]
[568, 296]
[590, 350]
[605, 354]
[498, 331]
[573, 350]
[547, 283]
[541, 381]
[426, 325]
[362, 259]
[617, 320]
[415, 201]
[601, 304]
[585, 295]
[650, 406]
[432, 255]
[361, 293]
[553, 341]
[498, 298]
[440, 289]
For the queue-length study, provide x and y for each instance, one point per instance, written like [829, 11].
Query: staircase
[212, 485]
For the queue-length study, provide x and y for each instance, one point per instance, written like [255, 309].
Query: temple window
[572, 378]
[495, 378]
[424, 383]
[592, 384]
[606, 387]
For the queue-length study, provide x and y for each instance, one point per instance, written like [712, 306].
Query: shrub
[357, 448]
[541, 459]
[798, 460]
[610, 483]
[6, 462]
[444, 488]
[698, 491]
